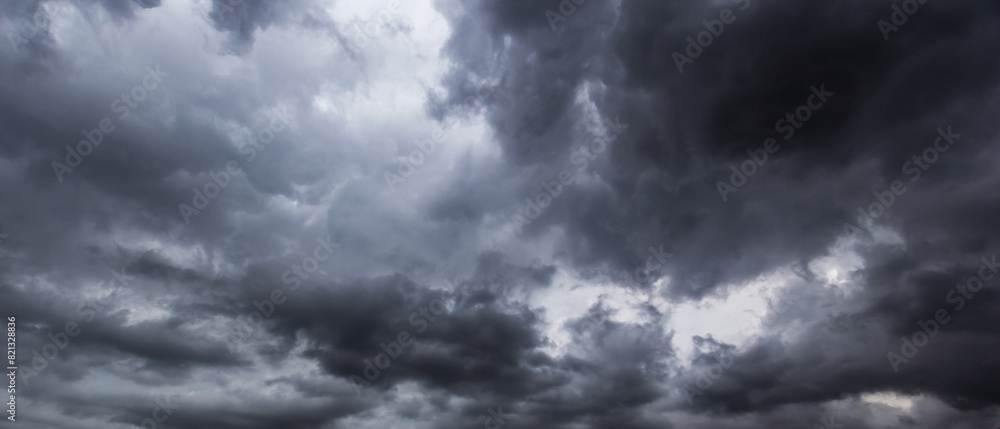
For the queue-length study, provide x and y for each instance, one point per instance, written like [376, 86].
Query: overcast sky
[571, 214]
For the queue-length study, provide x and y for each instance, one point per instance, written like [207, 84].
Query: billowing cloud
[550, 214]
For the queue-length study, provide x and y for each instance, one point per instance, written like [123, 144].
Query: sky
[568, 214]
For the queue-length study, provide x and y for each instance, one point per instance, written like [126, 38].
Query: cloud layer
[550, 214]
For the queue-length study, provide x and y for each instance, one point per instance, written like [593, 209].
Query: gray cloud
[619, 296]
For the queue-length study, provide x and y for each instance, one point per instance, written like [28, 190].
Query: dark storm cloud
[63, 237]
[59, 335]
[157, 295]
[479, 345]
[889, 97]
[479, 342]
[686, 130]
